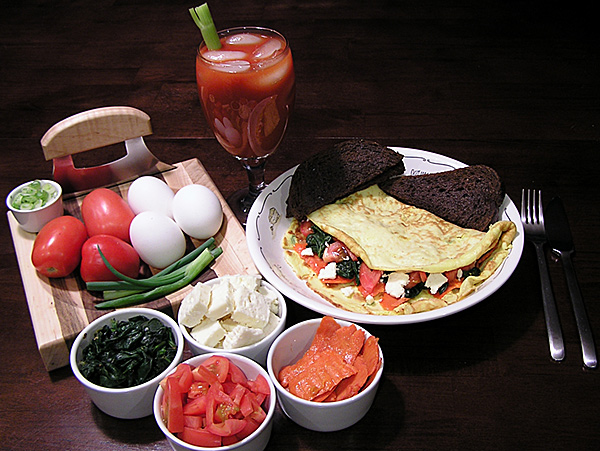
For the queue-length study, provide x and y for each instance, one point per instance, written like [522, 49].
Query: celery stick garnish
[204, 21]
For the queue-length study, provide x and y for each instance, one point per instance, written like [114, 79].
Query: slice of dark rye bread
[339, 171]
[469, 197]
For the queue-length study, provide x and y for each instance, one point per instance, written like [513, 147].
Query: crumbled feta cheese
[251, 310]
[208, 333]
[396, 283]
[329, 272]
[194, 306]
[239, 306]
[270, 298]
[307, 252]
[347, 291]
[242, 336]
[220, 301]
[435, 281]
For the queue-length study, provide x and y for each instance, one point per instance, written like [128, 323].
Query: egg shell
[198, 211]
[149, 193]
[157, 239]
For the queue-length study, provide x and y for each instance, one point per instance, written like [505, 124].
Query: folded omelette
[395, 239]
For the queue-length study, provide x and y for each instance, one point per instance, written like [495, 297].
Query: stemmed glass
[247, 91]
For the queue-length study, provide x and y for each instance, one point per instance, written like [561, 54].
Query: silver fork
[532, 217]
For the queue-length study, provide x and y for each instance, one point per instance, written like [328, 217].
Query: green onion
[33, 195]
[204, 21]
[170, 274]
[190, 273]
[188, 258]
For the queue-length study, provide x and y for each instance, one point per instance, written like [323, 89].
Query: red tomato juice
[247, 90]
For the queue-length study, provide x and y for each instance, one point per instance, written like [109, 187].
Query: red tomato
[336, 252]
[173, 406]
[121, 255]
[57, 247]
[217, 365]
[104, 212]
[260, 385]
[197, 406]
[227, 428]
[222, 414]
[200, 437]
[236, 375]
[306, 228]
[415, 278]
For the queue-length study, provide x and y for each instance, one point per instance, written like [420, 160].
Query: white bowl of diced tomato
[216, 401]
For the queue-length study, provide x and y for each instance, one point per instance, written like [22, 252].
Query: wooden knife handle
[93, 129]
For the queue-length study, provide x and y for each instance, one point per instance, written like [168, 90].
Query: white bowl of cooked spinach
[121, 357]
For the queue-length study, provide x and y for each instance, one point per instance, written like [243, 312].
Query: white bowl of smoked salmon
[300, 364]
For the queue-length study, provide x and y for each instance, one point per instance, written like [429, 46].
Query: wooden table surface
[513, 85]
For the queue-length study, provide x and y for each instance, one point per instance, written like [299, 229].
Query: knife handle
[581, 319]
[555, 337]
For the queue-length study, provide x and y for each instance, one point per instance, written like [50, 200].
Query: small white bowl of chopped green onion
[121, 357]
[35, 203]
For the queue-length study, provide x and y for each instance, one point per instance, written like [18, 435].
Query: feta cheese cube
[396, 283]
[242, 336]
[227, 323]
[208, 333]
[307, 252]
[194, 306]
[329, 272]
[271, 298]
[251, 310]
[435, 281]
[220, 301]
[347, 291]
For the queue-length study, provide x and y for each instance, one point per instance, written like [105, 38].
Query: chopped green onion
[34, 195]
[203, 19]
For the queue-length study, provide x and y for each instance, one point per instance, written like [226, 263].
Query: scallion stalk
[192, 271]
[170, 274]
[204, 21]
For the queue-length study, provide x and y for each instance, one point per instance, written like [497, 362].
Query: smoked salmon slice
[339, 363]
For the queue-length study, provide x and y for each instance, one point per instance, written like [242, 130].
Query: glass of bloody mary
[247, 91]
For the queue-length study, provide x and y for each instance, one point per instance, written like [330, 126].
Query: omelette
[370, 253]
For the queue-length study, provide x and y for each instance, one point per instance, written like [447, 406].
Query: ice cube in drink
[268, 49]
[224, 55]
[244, 39]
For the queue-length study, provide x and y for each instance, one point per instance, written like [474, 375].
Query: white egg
[157, 239]
[197, 210]
[149, 193]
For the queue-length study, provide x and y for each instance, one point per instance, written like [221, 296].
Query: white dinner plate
[267, 225]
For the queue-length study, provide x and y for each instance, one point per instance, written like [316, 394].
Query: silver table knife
[560, 240]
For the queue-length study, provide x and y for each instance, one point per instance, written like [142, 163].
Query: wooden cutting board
[61, 308]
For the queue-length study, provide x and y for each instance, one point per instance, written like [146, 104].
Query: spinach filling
[128, 353]
[318, 241]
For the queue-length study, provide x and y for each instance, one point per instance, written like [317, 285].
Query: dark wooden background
[511, 84]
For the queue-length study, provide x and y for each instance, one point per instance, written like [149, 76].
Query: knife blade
[558, 233]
